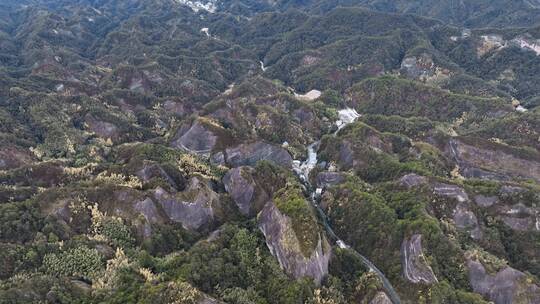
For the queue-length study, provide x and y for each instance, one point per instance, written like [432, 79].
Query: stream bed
[302, 170]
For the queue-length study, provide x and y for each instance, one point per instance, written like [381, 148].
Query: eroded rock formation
[415, 266]
[284, 244]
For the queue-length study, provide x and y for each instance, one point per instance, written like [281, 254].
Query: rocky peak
[284, 244]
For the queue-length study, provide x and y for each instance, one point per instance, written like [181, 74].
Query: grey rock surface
[150, 213]
[328, 179]
[485, 201]
[492, 163]
[380, 298]
[412, 180]
[465, 219]
[12, 157]
[504, 287]
[250, 154]
[415, 266]
[192, 208]
[285, 246]
[451, 191]
[241, 185]
[197, 139]
[152, 170]
[346, 155]
[102, 128]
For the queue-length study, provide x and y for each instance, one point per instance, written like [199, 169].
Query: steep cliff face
[194, 208]
[284, 243]
[196, 139]
[250, 154]
[243, 188]
[177, 134]
[503, 287]
[380, 298]
[493, 161]
[415, 266]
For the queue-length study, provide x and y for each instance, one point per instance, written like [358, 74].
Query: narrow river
[302, 169]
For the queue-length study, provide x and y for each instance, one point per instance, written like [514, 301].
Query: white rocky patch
[309, 96]
[229, 89]
[205, 30]
[494, 41]
[521, 109]
[408, 62]
[533, 45]
[490, 42]
[262, 66]
[342, 244]
[55, 32]
[346, 116]
[304, 168]
[196, 6]
[59, 87]
[90, 19]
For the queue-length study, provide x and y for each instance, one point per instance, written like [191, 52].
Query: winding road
[302, 169]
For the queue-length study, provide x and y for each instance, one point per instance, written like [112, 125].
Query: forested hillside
[258, 151]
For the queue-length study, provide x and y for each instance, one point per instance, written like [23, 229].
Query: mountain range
[270, 151]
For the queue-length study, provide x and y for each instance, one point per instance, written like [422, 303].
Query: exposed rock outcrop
[196, 139]
[520, 217]
[422, 68]
[12, 157]
[241, 185]
[208, 300]
[412, 180]
[175, 108]
[151, 170]
[284, 244]
[465, 219]
[150, 213]
[380, 298]
[102, 129]
[327, 179]
[485, 201]
[44, 174]
[193, 208]
[505, 287]
[415, 266]
[309, 96]
[451, 191]
[492, 161]
[250, 154]
[346, 155]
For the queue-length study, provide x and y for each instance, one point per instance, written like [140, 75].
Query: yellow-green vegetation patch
[187, 163]
[80, 261]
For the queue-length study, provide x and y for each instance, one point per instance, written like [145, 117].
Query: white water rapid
[303, 168]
